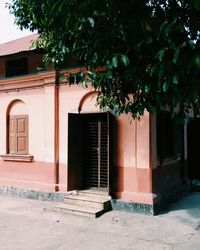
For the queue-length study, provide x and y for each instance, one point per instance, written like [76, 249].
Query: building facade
[55, 139]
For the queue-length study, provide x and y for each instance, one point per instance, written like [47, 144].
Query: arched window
[17, 120]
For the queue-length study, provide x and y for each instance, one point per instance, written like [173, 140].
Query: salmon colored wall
[131, 171]
[38, 174]
[143, 141]
[38, 103]
[89, 103]
[30, 175]
[133, 138]
[32, 103]
[124, 139]
[131, 174]
[129, 181]
[17, 108]
[34, 175]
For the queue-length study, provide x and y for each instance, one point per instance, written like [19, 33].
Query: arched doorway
[89, 145]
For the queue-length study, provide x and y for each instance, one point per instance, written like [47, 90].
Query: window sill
[23, 158]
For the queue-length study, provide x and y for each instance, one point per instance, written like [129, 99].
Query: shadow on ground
[186, 210]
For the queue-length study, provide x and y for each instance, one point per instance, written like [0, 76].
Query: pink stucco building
[55, 139]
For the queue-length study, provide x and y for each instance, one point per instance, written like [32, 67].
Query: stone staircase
[90, 203]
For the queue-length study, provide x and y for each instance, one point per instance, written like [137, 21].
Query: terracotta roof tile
[18, 45]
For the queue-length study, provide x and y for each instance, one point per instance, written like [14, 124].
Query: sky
[8, 30]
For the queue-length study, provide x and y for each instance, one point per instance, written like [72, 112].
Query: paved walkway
[32, 224]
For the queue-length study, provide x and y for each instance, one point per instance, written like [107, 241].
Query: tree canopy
[150, 50]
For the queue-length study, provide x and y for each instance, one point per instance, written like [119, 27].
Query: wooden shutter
[18, 135]
[12, 135]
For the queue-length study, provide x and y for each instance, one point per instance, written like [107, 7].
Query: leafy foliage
[149, 50]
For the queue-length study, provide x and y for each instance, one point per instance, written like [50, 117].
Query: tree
[149, 50]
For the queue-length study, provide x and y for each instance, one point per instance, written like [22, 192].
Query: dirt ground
[34, 225]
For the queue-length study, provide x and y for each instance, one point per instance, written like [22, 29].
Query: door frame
[75, 137]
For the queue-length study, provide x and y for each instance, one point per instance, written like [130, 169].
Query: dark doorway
[193, 149]
[96, 151]
[89, 151]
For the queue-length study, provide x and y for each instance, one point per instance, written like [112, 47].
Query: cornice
[31, 81]
[27, 81]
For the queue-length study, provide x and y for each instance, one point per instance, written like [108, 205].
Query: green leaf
[196, 4]
[163, 25]
[146, 88]
[84, 84]
[167, 29]
[115, 62]
[175, 80]
[161, 54]
[197, 61]
[148, 40]
[60, 77]
[109, 75]
[192, 44]
[57, 4]
[176, 55]
[125, 60]
[165, 86]
[165, 49]
[95, 56]
[152, 70]
[91, 21]
[90, 73]
[65, 49]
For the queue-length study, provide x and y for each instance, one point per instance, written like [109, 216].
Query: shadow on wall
[193, 149]
[116, 172]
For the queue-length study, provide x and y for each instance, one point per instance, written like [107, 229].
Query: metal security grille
[104, 155]
[96, 169]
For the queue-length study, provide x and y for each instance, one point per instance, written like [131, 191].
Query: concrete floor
[32, 224]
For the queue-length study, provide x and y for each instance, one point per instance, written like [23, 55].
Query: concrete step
[79, 210]
[93, 192]
[95, 201]
[90, 203]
